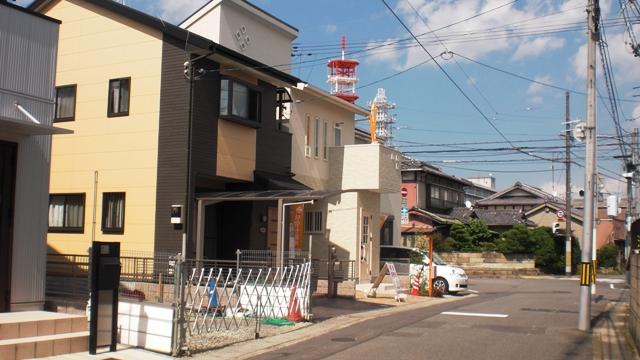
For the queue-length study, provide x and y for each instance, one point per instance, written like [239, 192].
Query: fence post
[178, 301]
[160, 288]
[238, 253]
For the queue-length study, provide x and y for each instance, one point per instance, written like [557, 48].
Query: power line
[506, 72]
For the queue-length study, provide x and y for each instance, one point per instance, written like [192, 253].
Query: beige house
[365, 178]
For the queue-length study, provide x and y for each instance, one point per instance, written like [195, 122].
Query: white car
[446, 278]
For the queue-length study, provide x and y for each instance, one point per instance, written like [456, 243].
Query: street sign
[404, 210]
[560, 214]
[404, 192]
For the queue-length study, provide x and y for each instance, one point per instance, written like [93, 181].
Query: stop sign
[404, 192]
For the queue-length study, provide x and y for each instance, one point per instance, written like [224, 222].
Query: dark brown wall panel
[273, 147]
[172, 145]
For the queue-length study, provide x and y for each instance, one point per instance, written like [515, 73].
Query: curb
[247, 349]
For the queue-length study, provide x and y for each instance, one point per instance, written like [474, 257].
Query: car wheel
[441, 285]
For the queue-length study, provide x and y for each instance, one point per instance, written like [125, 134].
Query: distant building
[484, 181]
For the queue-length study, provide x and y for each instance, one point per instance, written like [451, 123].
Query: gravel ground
[216, 339]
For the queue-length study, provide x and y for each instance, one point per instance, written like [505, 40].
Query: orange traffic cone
[294, 307]
[415, 285]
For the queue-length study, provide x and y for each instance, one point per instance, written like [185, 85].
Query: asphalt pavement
[508, 319]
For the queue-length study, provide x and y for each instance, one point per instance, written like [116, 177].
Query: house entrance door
[8, 156]
[365, 247]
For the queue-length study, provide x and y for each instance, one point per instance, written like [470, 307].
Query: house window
[66, 213]
[119, 93]
[337, 135]
[307, 137]
[65, 103]
[282, 99]
[239, 101]
[325, 148]
[316, 138]
[224, 97]
[113, 213]
[313, 222]
[435, 192]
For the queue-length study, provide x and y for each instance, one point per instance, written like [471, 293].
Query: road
[514, 319]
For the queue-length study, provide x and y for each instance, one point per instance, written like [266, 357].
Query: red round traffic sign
[404, 192]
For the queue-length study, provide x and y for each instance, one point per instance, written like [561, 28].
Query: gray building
[28, 48]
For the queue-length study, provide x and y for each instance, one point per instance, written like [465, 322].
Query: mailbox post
[105, 281]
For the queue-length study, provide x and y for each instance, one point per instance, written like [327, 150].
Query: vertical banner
[372, 122]
[296, 227]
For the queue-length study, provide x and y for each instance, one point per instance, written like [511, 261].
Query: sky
[502, 70]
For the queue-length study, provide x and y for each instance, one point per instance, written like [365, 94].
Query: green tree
[608, 256]
[460, 234]
[514, 240]
[479, 233]
[548, 256]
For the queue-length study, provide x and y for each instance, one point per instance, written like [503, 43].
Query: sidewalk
[611, 337]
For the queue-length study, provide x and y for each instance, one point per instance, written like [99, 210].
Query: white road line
[473, 314]
[474, 291]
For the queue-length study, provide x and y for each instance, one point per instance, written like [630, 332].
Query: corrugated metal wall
[28, 50]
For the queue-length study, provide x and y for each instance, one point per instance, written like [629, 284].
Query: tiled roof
[502, 217]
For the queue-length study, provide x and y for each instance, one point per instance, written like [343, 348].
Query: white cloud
[382, 54]
[624, 64]
[331, 28]
[482, 35]
[535, 88]
[537, 46]
[536, 100]
[636, 118]
[175, 11]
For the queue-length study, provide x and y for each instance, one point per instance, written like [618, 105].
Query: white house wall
[310, 170]
[266, 42]
[28, 58]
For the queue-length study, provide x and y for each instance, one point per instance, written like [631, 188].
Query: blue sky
[542, 40]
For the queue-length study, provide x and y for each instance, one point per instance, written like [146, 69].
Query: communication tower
[342, 76]
[384, 120]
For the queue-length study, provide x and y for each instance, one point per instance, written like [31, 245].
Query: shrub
[608, 256]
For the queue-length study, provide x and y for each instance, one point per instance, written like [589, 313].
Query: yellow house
[159, 114]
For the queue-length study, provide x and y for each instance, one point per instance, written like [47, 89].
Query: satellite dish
[467, 204]
[579, 131]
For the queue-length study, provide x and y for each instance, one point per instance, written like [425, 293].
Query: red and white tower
[342, 76]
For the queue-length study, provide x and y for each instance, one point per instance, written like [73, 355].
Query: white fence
[226, 299]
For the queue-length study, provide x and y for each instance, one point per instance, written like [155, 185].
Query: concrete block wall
[344, 289]
[493, 260]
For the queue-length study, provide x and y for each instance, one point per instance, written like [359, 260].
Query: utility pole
[567, 167]
[630, 168]
[584, 314]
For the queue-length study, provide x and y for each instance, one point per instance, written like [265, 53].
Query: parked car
[446, 278]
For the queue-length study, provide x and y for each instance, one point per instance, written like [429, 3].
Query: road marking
[474, 291]
[473, 314]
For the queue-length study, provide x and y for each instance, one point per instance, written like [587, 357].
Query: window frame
[283, 97]
[325, 141]
[103, 228]
[110, 113]
[252, 89]
[75, 99]
[64, 229]
[313, 222]
[316, 137]
[307, 136]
